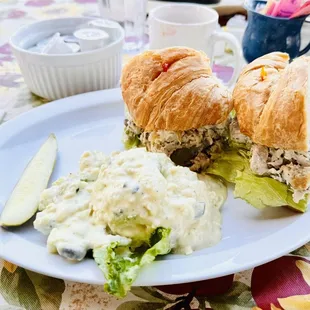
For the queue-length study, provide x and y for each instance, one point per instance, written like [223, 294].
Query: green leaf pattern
[140, 305]
[30, 290]
[150, 294]
[302, 251]
[23, 289]
[49, 290]
[18, 290]
[239, 297]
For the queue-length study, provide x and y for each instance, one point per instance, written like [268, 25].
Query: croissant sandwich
[272, 105]
[175, 105]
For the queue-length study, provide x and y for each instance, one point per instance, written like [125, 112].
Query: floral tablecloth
[281, 284]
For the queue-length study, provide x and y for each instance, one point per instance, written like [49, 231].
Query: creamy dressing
[126, 197]
[66, 214]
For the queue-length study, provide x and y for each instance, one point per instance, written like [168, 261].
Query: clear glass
[131, 14]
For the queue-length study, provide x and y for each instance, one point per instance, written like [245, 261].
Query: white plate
[94, 121]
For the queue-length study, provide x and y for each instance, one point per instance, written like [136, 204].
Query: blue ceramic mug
[265, 34]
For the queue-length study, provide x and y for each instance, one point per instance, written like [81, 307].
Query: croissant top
[272, 102]
[174, 89]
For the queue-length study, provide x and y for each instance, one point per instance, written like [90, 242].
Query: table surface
[282, 284]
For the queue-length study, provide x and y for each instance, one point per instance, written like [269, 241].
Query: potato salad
[128, 208]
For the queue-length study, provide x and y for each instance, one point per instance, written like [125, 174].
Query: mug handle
[307, 48]
[236, 48]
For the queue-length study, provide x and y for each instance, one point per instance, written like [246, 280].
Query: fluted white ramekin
[57, 76]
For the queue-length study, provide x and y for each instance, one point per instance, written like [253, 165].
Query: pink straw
[302, 11]
[286, 8]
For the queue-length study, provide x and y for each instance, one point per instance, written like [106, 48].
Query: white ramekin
[57, 76]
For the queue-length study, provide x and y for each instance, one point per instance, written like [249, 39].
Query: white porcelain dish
[94, 121]
[58, 76]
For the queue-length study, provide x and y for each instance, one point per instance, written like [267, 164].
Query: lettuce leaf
[121, 265]
[263, 192]
[228, 163]
[237, 145]
[260, 192]
[130, 140]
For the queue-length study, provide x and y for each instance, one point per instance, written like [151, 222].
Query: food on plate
[175, 105]
[270, 163]
[254, 87]
[23, 202]
[128, 208]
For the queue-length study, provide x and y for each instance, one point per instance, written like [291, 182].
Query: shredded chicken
[169, 141]
[200, 162]
[235, 133]
[286, 166]
[131, 130]
[192, 145]
[289, 167]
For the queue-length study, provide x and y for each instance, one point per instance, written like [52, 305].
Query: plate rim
[237, 259]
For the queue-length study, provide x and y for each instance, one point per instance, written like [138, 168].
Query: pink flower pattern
[85, 1]
[39, 3]
[5, 49]
[16, 14]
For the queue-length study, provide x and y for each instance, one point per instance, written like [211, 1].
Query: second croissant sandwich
[272, 105]
[175, 105]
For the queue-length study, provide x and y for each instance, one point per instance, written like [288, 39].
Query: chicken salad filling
[190, 148]
[287, 166]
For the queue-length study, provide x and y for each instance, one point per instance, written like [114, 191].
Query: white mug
[193, 26]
